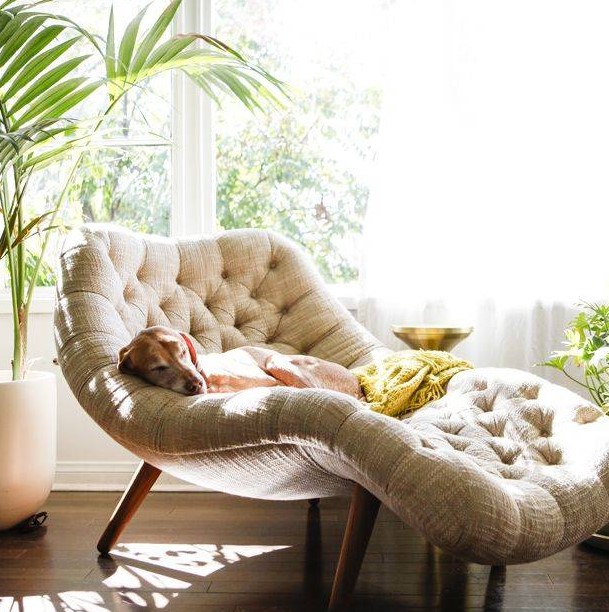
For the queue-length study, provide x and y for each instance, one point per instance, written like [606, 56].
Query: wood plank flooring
[212, 552]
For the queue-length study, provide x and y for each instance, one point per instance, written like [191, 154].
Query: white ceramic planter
[28, 432]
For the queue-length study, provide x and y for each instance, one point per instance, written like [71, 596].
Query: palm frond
[127, 44]
[215, 68]
[109, 57]
[153, 36]
[33, 46]
[20, 37]
[33, 226]
[29, 72]
[40, 143]
[46, 81]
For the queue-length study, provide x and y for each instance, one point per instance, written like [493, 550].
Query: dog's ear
[124, 360]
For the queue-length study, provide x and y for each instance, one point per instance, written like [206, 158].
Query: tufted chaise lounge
[506, 468]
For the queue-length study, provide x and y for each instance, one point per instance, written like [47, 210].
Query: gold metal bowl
[431, 337]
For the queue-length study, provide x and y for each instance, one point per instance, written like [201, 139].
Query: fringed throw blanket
[407, 380]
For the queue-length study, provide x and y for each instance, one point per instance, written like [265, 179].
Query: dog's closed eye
[160, 368]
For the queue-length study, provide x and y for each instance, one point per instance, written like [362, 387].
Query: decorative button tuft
[273, 264]
[284, 311]
[224, 274]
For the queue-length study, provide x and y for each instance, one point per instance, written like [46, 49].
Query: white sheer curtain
[492, 194]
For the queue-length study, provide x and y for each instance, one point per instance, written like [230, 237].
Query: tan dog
[167, 358]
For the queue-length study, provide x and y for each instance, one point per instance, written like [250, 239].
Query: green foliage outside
[127, 185]
[130, 185]
[299, 171]
[585, 358]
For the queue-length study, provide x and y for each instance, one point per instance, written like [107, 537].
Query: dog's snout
[195, 386]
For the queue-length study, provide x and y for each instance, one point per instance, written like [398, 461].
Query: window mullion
[193, 181]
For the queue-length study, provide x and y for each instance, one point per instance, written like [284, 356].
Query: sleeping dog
[167, 358]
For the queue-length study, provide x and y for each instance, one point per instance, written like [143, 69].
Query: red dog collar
[191, 348]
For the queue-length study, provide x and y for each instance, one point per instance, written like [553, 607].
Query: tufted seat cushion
[505, 468]
[533, 455]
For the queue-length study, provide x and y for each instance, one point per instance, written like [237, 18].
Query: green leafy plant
[301, 173]
[51, 73]
[585, 358]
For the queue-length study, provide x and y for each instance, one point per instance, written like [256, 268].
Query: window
[126, 175]
[306, 171]
[303, 170]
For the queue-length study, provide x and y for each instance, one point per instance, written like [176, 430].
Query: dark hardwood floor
[208, 551]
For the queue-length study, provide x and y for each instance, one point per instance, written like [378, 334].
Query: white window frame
[193, 202]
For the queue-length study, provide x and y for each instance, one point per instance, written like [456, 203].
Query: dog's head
[163, 357]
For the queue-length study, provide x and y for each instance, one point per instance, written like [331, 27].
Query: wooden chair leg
[143, 479]
[362, 514]
[313, 597]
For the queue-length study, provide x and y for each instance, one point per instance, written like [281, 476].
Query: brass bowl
[431, 337]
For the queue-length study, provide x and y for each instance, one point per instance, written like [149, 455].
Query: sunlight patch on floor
[34, 603]
[197, 559]
[131, 584]
[87, 601]
[129, 577]
[69, 601]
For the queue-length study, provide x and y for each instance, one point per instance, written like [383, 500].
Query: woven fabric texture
[504, 468]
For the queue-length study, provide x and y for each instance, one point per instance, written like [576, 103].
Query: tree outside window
[305, 172]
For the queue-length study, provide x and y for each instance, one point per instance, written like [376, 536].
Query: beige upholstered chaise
[506, 468]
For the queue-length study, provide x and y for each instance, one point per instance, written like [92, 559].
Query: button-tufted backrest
[234, 288]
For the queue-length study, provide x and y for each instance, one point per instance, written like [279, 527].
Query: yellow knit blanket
[406, 380]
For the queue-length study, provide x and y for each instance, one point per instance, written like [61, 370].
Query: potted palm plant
[51, 69]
